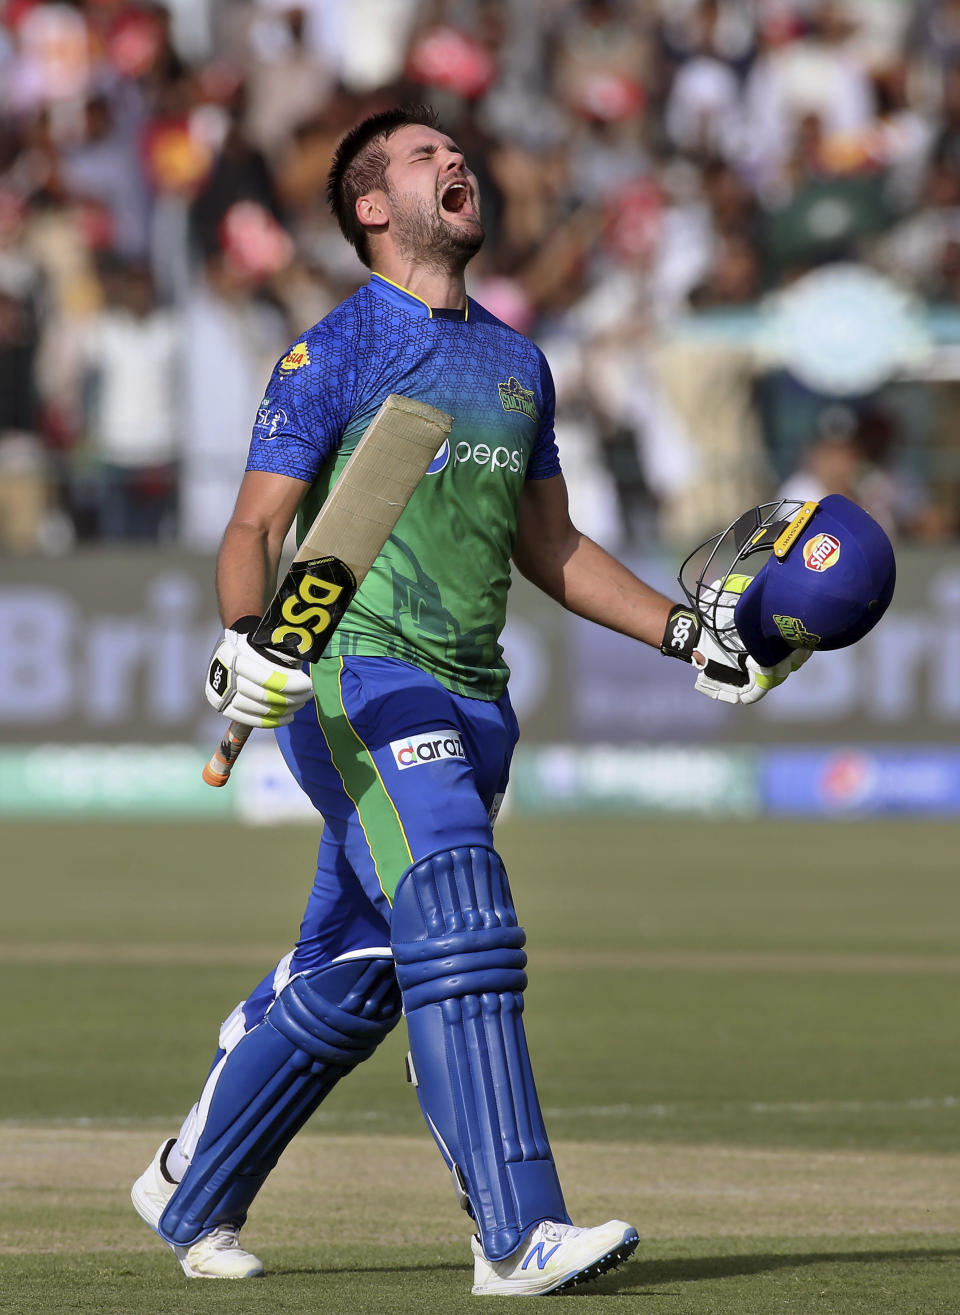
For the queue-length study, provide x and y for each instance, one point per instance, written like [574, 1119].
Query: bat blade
[377, 483]
[349, 531]
[351, 527]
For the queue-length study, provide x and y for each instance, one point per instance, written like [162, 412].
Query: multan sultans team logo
[296, 357]
[514, 397]
[795, 632]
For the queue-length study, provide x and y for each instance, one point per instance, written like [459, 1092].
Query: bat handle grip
[217, 770]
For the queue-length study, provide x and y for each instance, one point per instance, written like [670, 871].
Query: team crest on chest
[514, 397]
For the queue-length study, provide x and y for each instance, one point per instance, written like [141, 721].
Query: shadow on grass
[637, 1277]
[332, 1271]
[696, 1269]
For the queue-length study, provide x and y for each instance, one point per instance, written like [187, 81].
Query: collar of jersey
[409, 301]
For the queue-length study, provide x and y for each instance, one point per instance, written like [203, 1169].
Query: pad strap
[460, 964]
[321, 1025]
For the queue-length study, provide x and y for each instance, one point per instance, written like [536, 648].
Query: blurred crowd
[732, 225]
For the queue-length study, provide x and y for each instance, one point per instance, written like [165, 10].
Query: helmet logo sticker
[795, 632]
[821, 552]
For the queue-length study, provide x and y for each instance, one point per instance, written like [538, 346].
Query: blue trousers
[400, 768]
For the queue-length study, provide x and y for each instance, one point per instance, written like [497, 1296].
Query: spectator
[240, 173]
[704, 111]
[902, 138]
[24, 476]
[232, 339]
[287, 82]
[850, 454]
[734, 279]
[935, 32]
[814, 76]
[131, 421]
[918, 250]
[602, 61]
[833, 462]
[104, 169]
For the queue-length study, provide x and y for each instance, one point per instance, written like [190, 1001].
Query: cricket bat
[343, 542]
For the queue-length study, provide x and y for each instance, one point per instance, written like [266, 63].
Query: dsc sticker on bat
[308, 607]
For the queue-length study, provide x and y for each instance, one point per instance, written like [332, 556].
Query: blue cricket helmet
[828, 578]
[827, 583]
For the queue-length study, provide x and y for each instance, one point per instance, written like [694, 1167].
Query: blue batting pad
[460, 963]
[321, 1025]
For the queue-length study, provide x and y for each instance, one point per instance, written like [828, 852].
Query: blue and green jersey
[437, 594]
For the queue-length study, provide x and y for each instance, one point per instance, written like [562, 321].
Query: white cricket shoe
[216, 1255]
[553, 1257]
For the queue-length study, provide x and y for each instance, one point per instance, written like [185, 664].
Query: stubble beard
[421, 235]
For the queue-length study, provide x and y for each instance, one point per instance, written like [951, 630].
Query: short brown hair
[360, 165]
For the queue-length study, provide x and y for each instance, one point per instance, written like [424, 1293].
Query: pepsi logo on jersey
[480, 454]
[440, 460]
[492, 458]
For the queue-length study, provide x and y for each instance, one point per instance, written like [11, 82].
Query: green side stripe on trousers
[362, 781]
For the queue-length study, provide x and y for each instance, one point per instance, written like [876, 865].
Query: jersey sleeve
[544, 461]
[306, 406]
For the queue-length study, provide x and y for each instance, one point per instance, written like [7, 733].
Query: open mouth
[455, 198]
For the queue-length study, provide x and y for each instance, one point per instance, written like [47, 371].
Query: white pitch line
[755, 1107]
[856, 1106]
[657, 1111]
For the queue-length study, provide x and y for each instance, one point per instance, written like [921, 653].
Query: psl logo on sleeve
[821, 552]
[429, 748]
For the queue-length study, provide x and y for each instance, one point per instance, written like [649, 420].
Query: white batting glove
[252, 687]
[730, 676]
[735, 677]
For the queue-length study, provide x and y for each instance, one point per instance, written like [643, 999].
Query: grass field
[745, 1037]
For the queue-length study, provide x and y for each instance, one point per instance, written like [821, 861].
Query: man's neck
[438, 288]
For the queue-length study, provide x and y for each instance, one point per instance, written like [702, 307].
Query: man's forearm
[587, 580]
[246, 571]
[253, 541]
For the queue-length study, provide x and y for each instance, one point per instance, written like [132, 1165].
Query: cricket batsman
[402, 733]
